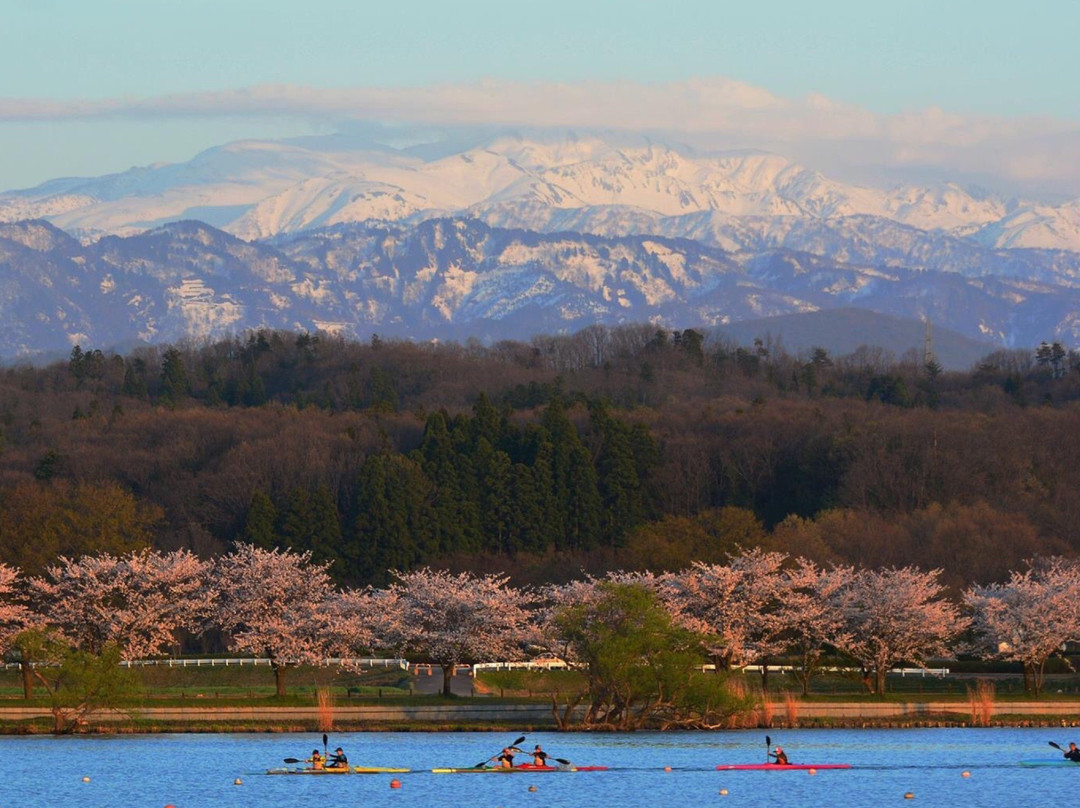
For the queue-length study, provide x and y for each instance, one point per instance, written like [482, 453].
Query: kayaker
[506, 757]
[316, 760]
[338, 760]
[780, 755]
[1073, 754]
[539, 756]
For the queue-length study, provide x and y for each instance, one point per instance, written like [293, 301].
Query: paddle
[768, 743]
[483, 763]
[1055, 745]
[298, 760]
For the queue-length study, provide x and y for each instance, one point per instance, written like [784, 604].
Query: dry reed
[324, 698]
[981, 698]
[791, 708]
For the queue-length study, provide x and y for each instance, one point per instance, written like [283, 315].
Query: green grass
[241, 685]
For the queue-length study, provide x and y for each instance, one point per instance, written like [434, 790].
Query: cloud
[1026, 155]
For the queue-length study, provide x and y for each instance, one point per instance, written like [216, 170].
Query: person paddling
[780, 755]
[1073, 753]
[316, 760]
[506, 757]
[338, 760]
[539, 756]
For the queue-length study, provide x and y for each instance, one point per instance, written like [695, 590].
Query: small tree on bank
[79, 682]
[642, 668]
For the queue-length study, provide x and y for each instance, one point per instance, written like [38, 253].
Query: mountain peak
[259, 188]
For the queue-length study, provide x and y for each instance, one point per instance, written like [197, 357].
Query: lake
[198, 771]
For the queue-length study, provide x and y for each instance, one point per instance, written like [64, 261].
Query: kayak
[353, 770]
[525, 767]
[1065, 763]
[769, 767]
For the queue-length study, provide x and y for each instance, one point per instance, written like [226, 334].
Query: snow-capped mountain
[452, 278]
[603, 185]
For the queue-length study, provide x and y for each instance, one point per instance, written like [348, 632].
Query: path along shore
[494, 713]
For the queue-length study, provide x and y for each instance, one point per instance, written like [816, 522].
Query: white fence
[221, 662]
[534, 665]
[923, 672]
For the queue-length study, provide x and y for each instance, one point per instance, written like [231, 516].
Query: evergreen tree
[259, 522]
[392, 528]
[496, 507]
[324, 531]
[174, 380]
[617, 476]
[295, 521]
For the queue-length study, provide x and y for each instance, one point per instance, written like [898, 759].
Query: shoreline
[506, 716]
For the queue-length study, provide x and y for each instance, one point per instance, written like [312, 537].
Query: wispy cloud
[1033, 155]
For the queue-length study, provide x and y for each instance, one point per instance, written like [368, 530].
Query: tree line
[633, 447]
[639, 638]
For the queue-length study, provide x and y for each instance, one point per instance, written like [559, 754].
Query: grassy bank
[242, 699]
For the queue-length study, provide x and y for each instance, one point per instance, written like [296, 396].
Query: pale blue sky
[972, 58]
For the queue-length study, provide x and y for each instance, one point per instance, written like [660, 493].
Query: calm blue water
[197, 771]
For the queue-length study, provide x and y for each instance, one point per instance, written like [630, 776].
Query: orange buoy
[909, 796]
[813, 771]
[723, 792]
[965, 774]
[532, 788]
[395, 783]
[667, 768]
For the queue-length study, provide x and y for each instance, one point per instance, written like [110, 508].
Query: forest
[629, 448]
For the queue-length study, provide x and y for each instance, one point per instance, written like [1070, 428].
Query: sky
[986, 91]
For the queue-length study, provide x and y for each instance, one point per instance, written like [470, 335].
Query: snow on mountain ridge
[258, 189]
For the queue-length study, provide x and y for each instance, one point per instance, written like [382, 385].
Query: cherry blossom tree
[895, 615]
[274, 603]
[139, 601]
[14, 615]
[453, 619]
[809, 618]
[739, 604]
[352, 616]
[1030, 617]
[15, 621]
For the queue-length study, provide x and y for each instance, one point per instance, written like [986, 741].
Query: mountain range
[513, 236]
[606, 186]
[456, 278]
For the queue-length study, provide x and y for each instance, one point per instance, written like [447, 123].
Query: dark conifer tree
[260, 521]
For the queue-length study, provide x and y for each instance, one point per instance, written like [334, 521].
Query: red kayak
[530, 767]
[768, 767]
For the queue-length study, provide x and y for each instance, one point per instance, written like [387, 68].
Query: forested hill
[609, 448]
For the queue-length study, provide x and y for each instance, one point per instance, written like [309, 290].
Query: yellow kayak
[351, 770]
